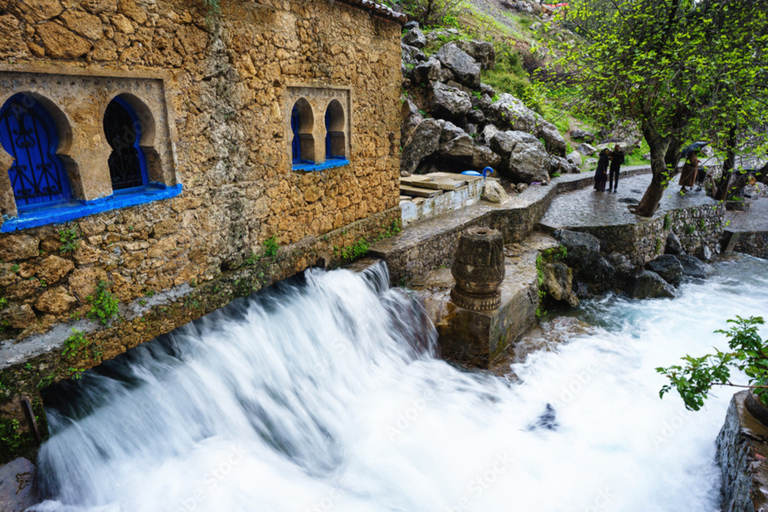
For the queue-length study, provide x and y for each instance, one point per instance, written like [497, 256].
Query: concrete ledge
[432, 243]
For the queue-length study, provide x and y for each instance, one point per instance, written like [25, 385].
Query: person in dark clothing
[601, 174]
[617, 158]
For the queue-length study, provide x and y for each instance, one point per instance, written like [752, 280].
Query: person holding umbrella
[617, 158]
[690, 168]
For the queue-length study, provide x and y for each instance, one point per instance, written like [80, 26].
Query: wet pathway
[753, 221]
[586, 207]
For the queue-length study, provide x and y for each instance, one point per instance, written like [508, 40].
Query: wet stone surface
[754, 220]
[586, 207]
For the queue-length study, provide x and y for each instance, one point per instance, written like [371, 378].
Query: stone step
[419, 192]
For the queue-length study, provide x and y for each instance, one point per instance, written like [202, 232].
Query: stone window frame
[68, 96]
[319, 99]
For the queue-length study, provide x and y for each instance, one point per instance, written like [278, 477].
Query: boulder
[703, 252]
[415, 38]
[482, 51]
[476, 116]
[17, 485]
[466, 69]
[560, 165]
[426, 72]
[487, 89]
[412, 55]
[692, 266]
[449, 103]
[411, 25]
[650, 285]
[582, 135]
[510, 113]
[529, 162]
[488, 132]
[411, 118]
[668, 267]
[504, 143]
[621, 264]
[445, 33]
[483, 157]
[558, 281]
[422, 143]
[456, 145]
[574, 157]
[493, 192]
[446, 75]
[586, 149]
[673, 245]
[582, 249]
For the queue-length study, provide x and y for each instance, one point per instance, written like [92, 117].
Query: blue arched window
[296, 143]
[29, 134]
[335, 144]
[127, 162]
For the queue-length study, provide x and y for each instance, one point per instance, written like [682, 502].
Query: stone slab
[16, 489]
[419, 192]
[433, 182]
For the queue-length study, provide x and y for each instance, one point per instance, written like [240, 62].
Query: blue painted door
[30, 136]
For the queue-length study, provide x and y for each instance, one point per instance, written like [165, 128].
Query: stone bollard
[478, 269]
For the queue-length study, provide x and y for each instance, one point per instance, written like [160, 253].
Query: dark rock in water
[692, 266]
[650, 285]
[673, 245]
[16, 489]
[703, 252]
[668, 267]
[547, 421]
[583, 249]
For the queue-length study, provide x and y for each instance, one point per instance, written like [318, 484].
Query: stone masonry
[228, 78]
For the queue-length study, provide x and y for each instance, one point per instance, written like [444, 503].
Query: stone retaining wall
[643, 241]
[754, 244]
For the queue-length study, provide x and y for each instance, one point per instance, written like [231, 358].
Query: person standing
[688, 174]
[617, 158]
[601, 174]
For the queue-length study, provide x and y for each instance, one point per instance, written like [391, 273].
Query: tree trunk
[664, 155]
[724, 182]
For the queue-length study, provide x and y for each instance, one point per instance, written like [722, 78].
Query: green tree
[684, 69]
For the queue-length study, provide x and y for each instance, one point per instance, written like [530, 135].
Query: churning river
[326, 396]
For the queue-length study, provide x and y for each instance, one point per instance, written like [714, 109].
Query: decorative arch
[302, 123]
[128, 132]
[335, 140]
[33, 131]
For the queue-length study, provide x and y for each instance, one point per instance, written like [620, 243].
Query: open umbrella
[692, 147]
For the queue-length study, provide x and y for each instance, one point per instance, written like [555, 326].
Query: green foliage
[15, 268]
[659, 245]
[702, 224]
[74, 343]
[432, 13]
[689, 229]
[354, 251]
[749, 353]
[667, 222]
[684, 69]
[3, 302]
[103, 304]
[70, 240]
[9, 436]
[270, 247]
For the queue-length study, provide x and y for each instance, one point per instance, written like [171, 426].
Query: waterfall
[326, 394]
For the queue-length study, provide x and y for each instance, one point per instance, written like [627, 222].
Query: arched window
[335, 146]
[302, 122]
[29, 134]
[127, 162]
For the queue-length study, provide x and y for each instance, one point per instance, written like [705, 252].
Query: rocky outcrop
[423, 142]
[668, 267]
[447, 86]
[692, 266]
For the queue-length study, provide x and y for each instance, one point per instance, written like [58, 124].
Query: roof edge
[378, 9]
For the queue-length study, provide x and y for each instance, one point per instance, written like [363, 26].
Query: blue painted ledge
[328, 164]
[66, 212]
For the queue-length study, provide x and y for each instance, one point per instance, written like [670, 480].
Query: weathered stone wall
[642, 242]
[754, 244]
[227, 79]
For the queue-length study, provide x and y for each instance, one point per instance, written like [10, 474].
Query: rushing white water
[326, 396]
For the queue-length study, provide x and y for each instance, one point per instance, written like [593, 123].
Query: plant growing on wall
[748, 353]
[103, 304]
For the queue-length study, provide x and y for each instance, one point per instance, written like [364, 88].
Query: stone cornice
[378, 9]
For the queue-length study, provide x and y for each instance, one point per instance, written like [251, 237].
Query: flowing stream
[326, 395]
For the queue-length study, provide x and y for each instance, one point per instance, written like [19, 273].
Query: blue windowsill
[74, 210]
[328, 164]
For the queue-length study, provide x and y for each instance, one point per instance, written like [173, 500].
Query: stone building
[175, 155]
